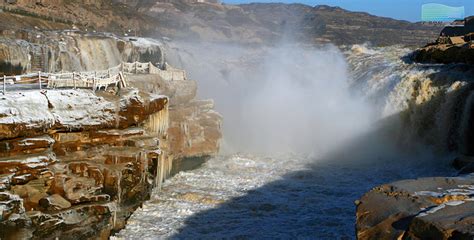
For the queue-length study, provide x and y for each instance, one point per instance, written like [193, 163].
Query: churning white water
[342, 119]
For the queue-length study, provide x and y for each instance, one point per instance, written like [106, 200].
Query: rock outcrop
[446, 53]
[75, 164]
[48, 51]
[427, 208]
[195, 128]
[454, 45]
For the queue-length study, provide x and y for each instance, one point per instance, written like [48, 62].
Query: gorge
[382, 131]
[258, 121]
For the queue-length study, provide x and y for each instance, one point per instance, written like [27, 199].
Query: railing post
[74, 80]
[94, 81]
[4, 84]
[39, 79]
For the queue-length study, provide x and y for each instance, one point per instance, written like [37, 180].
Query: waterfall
[466, 126]
[433, 102]
[56, 52]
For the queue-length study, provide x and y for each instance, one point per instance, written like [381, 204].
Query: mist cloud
[277, 100]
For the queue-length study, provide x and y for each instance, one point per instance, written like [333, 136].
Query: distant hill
[254, 23]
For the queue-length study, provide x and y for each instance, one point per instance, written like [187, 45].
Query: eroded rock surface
[446, 53]
[26, 51]
[195, 127]
[427, 208]
[75, 164]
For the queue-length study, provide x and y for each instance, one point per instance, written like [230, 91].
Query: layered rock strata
[446, 53]
[75, 164]
[427, 208]
[47, 51]
[195, 127]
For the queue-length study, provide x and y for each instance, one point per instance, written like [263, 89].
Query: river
[307, 176]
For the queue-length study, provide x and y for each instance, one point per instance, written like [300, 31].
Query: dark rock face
[465, 164]
[74, 164]
[428, 208]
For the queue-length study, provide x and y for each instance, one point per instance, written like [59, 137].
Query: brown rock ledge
[426, 208]
[74, 164]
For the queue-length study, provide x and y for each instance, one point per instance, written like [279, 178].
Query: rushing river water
[250, 197]
[379, 136]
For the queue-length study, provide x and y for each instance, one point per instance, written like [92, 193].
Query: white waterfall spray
[306, 101]
[309, 100]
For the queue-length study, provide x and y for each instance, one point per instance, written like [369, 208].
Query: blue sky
[399, 9]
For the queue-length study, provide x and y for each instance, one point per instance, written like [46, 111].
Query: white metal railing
[93, 79]
[170, 74]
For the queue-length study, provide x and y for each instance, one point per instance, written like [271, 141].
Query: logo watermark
[435, 12]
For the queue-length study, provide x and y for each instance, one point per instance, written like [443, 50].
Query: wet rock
[77, 162]
[427, 208]
[25, 146]
[195, 127]
[31, 193]
[445, 53]
[54, 202]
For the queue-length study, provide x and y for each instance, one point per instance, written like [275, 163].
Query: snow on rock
[32, 113]
[78, 108]
[30, 108]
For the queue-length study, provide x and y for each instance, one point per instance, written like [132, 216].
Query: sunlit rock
[440, 208]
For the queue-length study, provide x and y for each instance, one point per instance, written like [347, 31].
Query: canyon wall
[71, 51]
[76, 163]
[208, 20]
[195, 127]
[59, 14]
[428, 106]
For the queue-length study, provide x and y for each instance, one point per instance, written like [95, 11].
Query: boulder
[54, 202]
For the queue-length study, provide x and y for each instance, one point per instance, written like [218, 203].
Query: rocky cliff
[76, 163]
[51, 51]
[195, 128]
[454, 45]
[462, 52]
